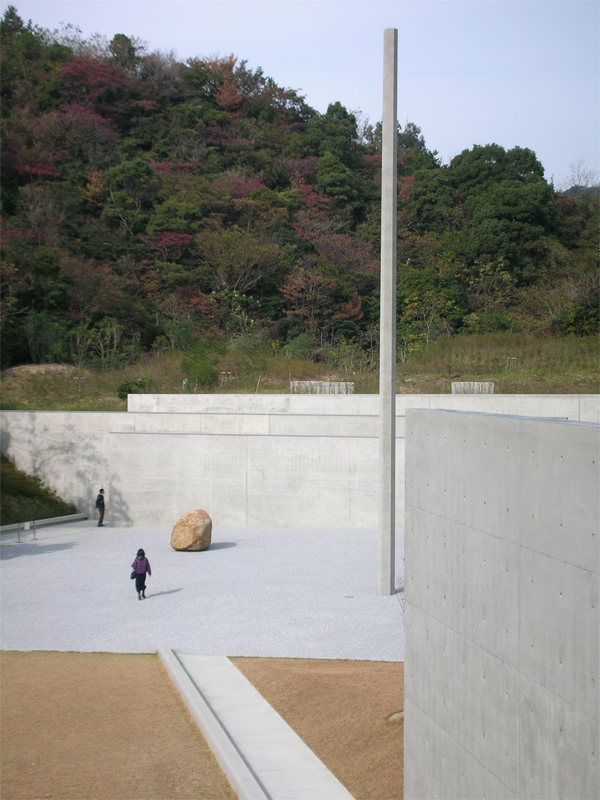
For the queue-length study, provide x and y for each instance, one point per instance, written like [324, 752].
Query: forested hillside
[152, 205]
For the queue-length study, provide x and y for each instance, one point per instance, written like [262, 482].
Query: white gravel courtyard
[286, 593]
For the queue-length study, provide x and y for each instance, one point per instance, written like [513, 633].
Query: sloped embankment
[23, 497]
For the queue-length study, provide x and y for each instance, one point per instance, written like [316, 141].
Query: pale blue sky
[515, 72]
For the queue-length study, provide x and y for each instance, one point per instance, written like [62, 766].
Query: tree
[96, 85]
[20, 45]
[476, 169]
[105, 340]
[411, 137]
[126, 52]
[311, 296]
[46, 337]
[507, 219]
[74, 133]
[427, 314]
[334, 132]
[339, 183]
[235, 260]
[581, 179]
[431, 200]
[198, 364]
[131, 188]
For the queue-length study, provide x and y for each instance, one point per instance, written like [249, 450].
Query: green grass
[543, 366]
[23, 498]
[567, 365]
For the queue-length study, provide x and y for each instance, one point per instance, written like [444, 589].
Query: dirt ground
[350, 713]
[77, 726]
[104, 726]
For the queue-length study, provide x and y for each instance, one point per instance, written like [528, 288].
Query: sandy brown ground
[341, 709]
[103, 726]
[99, 725]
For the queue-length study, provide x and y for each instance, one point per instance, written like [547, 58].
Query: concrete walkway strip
[259, 753]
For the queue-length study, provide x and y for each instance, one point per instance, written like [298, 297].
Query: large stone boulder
[192, 531]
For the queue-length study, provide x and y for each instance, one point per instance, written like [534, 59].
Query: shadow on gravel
[212, 546]
[221, 545]
[25, 549]
[157, 594]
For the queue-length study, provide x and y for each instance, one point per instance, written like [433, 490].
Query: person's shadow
[170, 591]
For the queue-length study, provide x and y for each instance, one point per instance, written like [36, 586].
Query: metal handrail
[40, 523]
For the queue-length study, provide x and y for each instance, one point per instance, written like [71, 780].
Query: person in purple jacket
[141, 566]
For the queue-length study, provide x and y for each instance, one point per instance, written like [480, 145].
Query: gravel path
[270, 593]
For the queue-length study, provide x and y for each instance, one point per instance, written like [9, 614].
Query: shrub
[303, 346]
[198, 364]
[130, 387]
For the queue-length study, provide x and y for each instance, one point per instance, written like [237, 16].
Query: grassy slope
[23, 498]
[543, 366]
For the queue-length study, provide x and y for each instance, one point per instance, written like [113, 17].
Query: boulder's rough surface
[192, 531]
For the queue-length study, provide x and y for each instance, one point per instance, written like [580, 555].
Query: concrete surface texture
[502, 623]
[387, 349]
[290, 460]
[306, 594]
[262, 757]
[584, 407]
[244, 481]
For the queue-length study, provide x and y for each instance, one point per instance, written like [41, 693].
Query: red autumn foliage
[228, 96]
[565, 203]
[102, 87]
[314, 199]
[218, 137]
[35, 168]
[340, 250]
[8, 233]
[301, 170]
[311, 295]
[196, 301]
[238, 187]
[169, 244]
[93, 287]
[404, 186]
[352, 310]
[149, 282]
[87, 82]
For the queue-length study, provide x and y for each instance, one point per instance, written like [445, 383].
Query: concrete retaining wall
[77, 452]
[502, 623]
[245, 469]
[581, 407]
[245, 481]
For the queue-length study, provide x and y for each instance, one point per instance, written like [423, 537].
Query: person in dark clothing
[100, 507]
[141, 566]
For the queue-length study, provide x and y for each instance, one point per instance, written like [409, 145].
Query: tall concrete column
[387, 353]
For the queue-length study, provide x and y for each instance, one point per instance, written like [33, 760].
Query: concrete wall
[67, 450]
[502, 549]
[244, 481]
[77, 452]
[585, 408]
[244, 469]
